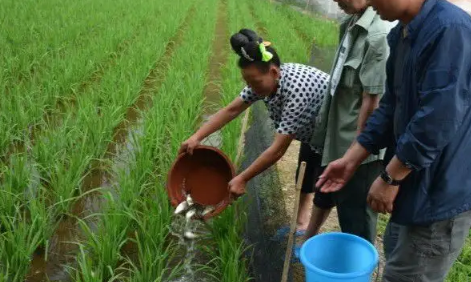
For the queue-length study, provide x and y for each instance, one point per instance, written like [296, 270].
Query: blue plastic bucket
[338, 257]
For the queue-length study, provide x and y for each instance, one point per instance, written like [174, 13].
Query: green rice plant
[64, 151]
[322, 31]
[102, 246]
[127, 183]
[80, 45]
[290, 46]
[154, 252]
[17, 185]
[67, 74]
[21, 235]
[230, 263]
[86, 271]
[35, 32]
[228, 250]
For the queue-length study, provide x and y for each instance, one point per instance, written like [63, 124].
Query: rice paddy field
[97, 96]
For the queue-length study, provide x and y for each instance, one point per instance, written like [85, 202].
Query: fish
[181, 207]
[190, 235]
[190, 214]
[207, 210]
[189, 200]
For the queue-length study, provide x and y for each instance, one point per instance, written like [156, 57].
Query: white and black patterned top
[297, 101]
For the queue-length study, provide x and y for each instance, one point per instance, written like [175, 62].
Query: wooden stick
[294, 217]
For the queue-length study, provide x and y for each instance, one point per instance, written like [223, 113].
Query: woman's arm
[216, 122]
[268, 158]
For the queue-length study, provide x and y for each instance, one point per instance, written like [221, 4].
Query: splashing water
[180, 228]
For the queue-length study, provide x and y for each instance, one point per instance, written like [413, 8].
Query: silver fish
[189, 200]
[190, 235]
[207, 210]
[181, 207]
[190, 214]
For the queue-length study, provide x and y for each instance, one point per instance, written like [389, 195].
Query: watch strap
[388, 179]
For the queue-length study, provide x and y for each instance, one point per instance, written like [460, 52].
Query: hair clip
[266, 56]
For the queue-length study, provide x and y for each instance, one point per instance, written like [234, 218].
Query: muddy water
[62, 249]
[212, 91]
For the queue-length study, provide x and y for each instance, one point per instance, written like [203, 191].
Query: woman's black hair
[246, 44]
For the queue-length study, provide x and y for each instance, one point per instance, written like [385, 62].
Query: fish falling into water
[190, 210]
[207, 210]
[190, 235]
[185, 205]
[189, 200]
[190, 214]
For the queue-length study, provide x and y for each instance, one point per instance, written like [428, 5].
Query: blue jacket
[424, 118]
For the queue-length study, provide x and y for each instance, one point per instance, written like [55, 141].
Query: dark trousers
[355, 216]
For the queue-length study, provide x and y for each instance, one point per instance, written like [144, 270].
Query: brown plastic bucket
[205, 175]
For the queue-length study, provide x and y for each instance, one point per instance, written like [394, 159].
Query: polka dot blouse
[297, 101]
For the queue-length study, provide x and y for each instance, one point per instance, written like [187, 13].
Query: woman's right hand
[189, 145]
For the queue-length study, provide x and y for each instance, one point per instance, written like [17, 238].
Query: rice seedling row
[228, 247]
[89, 191]
[64, 153]
[190, 50]
[65, 77]
[288, 44]
[37, 33]
[120, 207]
[313, 29]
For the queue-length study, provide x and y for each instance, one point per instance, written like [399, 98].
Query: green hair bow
[266, 56]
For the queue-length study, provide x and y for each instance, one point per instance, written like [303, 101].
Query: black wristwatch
[389, 180]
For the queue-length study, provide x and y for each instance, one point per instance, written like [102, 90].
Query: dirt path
[287, 171]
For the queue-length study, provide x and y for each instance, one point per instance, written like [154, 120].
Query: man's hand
[336, 175]
[189, 145]
[237, 187]
[381, 196]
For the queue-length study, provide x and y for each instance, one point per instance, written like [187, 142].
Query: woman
[292, 93]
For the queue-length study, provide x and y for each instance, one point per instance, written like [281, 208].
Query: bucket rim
[369, 269]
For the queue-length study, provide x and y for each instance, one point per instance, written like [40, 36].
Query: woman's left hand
[237, 187]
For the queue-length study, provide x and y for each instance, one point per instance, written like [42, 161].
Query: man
[357, 82]
[424, 119]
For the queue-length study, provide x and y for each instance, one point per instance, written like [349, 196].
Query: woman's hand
[237, 187]
[189, 145]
